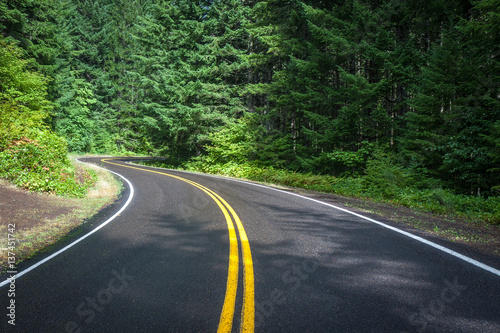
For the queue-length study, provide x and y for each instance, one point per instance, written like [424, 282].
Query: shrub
[383, 176]
[40, 164]
[31, 156]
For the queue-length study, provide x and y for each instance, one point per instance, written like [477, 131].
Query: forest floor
[40, 220]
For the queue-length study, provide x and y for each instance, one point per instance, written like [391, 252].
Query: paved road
[177, 260]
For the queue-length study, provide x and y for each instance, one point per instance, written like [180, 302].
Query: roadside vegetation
[373, 172]
[31, 155]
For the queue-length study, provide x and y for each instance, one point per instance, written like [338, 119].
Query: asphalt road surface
[197, 253]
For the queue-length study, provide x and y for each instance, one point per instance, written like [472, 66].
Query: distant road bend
[198, 253]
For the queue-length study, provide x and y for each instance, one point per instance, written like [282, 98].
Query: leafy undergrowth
[40, 164]
[436, 200]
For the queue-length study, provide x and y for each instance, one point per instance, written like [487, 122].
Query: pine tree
[75, 113]
[189, 72]
[456, 104]
[97, 104]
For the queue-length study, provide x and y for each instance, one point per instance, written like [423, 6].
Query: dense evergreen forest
[409, 88]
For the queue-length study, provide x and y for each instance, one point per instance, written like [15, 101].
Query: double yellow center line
[248, 309]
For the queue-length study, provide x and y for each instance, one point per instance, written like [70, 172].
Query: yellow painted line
[248, 311]
[228, 309]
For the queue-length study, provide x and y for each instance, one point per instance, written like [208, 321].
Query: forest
[401, 95]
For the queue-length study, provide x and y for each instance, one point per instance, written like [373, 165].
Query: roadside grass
[47, 232]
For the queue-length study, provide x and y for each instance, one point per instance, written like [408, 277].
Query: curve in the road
[408, 234]
[239, 243]
[228, 309]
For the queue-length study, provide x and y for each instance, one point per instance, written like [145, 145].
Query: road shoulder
[37, 221]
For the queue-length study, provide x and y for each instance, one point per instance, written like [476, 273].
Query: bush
[343, 163]
[40, 164]
[383, 176]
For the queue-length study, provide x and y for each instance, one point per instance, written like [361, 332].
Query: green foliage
[494, 154]
[41, 164]
[31, 155]
[23, 95]
[454, 107]
[343, 163]
[236, 143]
[188, 73]
[384, 177]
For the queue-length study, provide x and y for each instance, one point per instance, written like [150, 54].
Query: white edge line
[29, 269]
[417, 238]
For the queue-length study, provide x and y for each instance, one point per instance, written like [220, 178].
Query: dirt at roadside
[37, 220]
[24, 217]
[27, 210]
